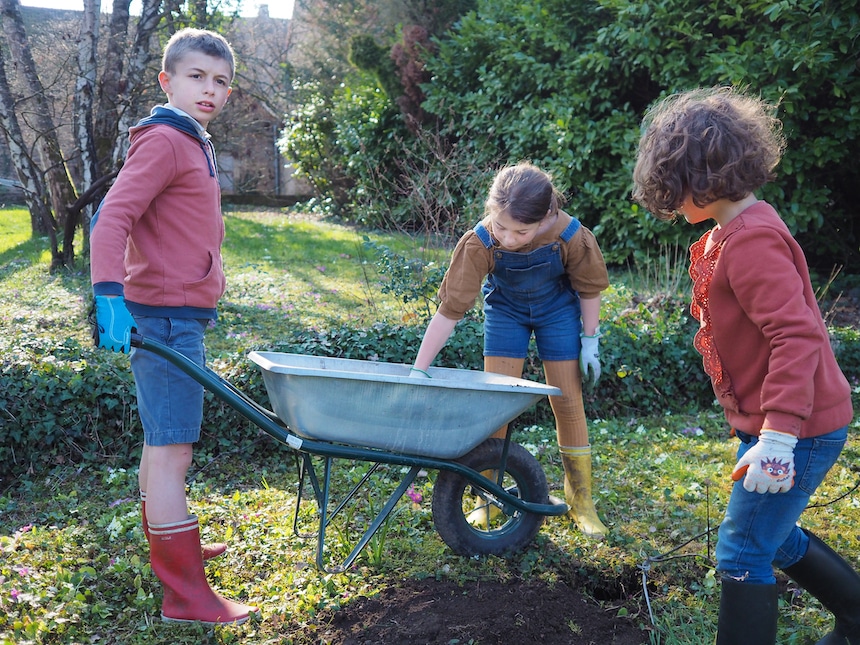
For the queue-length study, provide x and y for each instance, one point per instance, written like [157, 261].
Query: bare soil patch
[443, 612]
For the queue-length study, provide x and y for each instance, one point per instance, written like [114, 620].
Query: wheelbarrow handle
[222, 389]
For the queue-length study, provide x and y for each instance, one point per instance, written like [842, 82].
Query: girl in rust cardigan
[764, 345]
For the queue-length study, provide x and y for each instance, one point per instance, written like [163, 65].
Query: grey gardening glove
[589, 361]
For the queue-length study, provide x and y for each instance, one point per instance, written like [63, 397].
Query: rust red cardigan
[763, 340]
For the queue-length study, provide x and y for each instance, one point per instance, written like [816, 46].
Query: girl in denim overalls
[544, 273]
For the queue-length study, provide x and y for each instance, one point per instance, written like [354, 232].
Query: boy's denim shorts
[170, 402]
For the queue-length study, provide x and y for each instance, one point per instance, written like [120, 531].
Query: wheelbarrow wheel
[455, 499]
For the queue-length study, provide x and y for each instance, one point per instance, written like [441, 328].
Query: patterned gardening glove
[589, 362]
[768, 467]
[113, 324]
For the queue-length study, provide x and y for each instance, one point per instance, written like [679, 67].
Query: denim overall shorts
[530, 293]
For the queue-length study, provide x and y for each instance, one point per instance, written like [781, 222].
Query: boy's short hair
[706, 144]
[199, 40]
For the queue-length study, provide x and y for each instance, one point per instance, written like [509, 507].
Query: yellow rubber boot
[484, 511]
[577, 491]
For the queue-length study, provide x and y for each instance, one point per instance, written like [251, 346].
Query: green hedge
[63, 402]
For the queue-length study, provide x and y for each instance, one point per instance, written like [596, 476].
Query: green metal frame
[267, 421]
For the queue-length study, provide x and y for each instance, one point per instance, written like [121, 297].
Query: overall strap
[571, 229]
[483, 235]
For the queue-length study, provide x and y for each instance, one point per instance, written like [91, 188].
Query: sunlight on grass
[291, 273]
[17, 245]
[15, 228]
[73, 559]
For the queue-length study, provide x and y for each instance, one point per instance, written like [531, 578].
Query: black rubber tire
[454, 498]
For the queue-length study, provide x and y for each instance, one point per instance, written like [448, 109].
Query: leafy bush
[310, 140]
[356, 149]
[846, 346]
[389, 343]
[649, 363]
[565, 84]
[58, 404]
[412, 281]
[64, 403]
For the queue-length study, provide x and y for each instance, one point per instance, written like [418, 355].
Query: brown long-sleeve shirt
[472, 262]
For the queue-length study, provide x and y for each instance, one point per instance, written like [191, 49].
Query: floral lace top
[703, 259]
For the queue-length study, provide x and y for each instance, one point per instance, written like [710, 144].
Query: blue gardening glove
[113, 324]
[589, 363]
[768, 467]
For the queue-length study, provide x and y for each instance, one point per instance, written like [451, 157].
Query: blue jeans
[760, 530]
[170, 402]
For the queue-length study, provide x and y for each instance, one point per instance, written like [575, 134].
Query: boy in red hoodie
[156, 268]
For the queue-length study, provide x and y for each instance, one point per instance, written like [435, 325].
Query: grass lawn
[73, 559]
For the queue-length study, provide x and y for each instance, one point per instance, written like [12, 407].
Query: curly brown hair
[708, 144]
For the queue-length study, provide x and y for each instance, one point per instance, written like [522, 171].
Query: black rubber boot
[748, 614]
[824, 574]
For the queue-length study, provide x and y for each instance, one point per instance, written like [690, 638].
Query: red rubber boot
[177, 561]
[209, 551]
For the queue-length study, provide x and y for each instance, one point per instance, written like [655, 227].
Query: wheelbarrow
[373, 412]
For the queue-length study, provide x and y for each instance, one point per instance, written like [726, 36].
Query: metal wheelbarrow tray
[377, 405]
[335, 408]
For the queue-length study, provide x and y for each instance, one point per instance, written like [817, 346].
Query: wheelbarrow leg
[306, 471]
[378, 521]
[352, 493]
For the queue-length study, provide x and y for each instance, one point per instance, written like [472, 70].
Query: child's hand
[113, 324]
[768, 467]
[589, 363]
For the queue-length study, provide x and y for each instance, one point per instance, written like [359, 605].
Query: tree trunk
[111, 88]
[199, 11]
[28, 174]
[60, 188]
[84, 93]
[139, 58]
